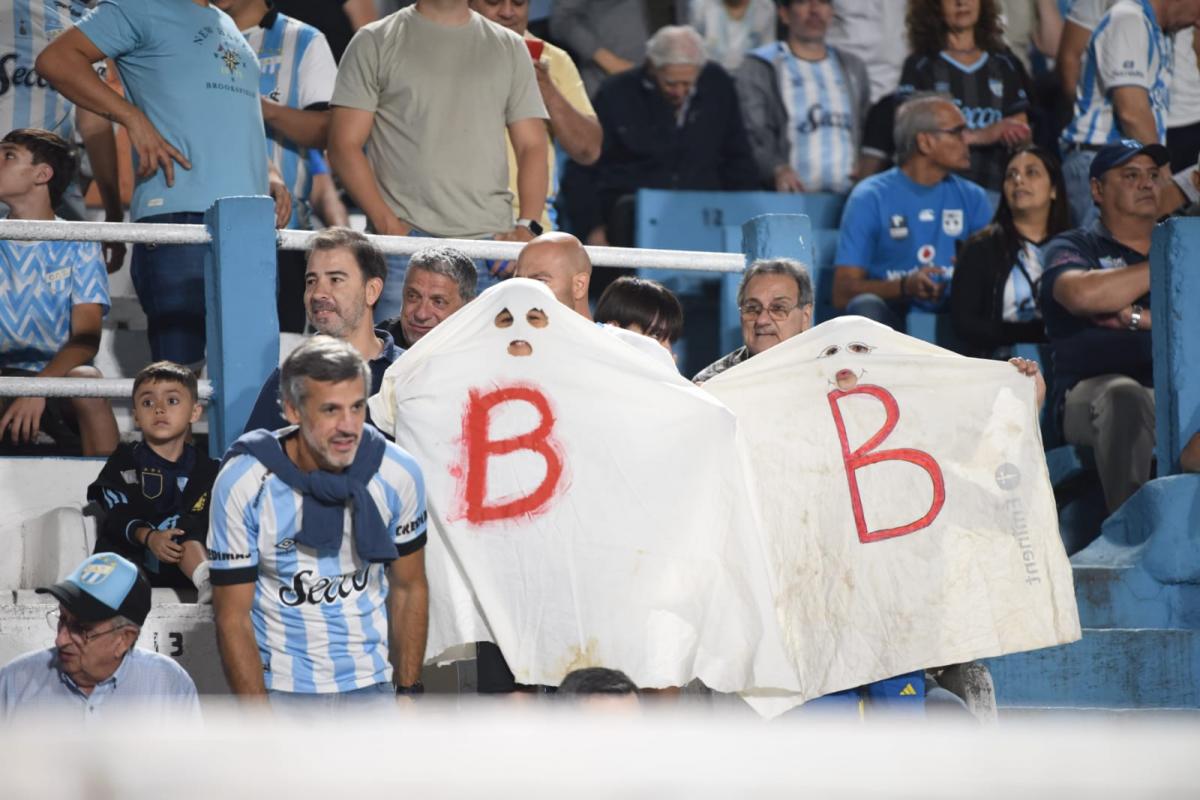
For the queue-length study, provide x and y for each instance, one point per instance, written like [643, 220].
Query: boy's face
[164, 411]
[18, 174]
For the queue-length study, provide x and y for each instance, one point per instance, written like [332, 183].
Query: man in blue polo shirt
[195, 123]
[900, 227]
[1096, 302]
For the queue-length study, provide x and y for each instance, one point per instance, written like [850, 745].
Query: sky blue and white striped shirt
[297, 70]
[26, 99]
[1127, 48]
[821, 132]
[321, 622]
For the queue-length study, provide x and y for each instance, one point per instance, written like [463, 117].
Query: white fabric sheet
[643, 554]
[982, 572]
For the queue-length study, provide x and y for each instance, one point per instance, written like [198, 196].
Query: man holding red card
[573, 125]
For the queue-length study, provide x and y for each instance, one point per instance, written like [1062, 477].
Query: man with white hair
[672, 123]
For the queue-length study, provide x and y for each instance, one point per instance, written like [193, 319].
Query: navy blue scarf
[325, 494]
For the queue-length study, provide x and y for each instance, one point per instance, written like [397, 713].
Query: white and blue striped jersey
[1127, 48]
[298, 71]
[821, 134]
[321, 622]
[26, 99]
[40, 283]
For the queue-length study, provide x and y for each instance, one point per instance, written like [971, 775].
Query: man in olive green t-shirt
[429, 92]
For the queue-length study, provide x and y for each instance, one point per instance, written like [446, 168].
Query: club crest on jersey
[997, 86]
[152, 484]
[952, 221]
[897, 226]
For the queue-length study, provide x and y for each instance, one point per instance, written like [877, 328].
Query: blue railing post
[242, 322]
[1175, 311]
[779, 236]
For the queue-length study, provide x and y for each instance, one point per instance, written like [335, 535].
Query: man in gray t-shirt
[429, 91]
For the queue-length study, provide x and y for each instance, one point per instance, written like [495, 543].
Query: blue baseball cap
[103, 586]
[1114, 155]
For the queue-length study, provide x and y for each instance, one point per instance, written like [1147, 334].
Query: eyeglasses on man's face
[80, 634]
[958, 130]
[776, 311]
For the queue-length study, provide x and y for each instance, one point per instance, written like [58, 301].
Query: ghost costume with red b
[906, 503]
[588, 505]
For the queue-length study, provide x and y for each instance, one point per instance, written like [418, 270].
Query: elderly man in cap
[93, 667]
[1095, 297]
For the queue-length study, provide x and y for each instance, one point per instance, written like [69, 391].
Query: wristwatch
[412, 690]
[534, 226]
[1135, 318]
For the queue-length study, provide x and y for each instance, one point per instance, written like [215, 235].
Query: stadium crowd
[1004, 163]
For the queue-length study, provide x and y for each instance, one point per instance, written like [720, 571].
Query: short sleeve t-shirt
[190, 70]
[40, 282]
[442, 96]
[321, 622]
[1127, 48]
[1082, 349]
[27, 100]
[565, 77]
[297, 71]
[892, 225]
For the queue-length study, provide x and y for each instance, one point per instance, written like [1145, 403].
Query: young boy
[155, 494]
[53, 297]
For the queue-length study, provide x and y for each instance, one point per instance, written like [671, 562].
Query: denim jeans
[376, 696]
[1076, 166]
[169, 281]
[875, 308]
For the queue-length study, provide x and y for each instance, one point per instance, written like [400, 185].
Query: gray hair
[779, 266]
[915, 116]
[120, 621]
[676, 44]
[321, 358]
[450, 262]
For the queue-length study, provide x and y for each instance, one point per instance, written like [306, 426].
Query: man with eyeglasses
[1095, 296]
[899, 229]
[776, 302]
[94, 667]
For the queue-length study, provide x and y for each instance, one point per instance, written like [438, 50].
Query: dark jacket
[268, 408]
[645, 149]
[137, 488]
[766, 117]
[977, 296]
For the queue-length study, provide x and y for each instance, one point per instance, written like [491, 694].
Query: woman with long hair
[958, 49]
[998, 272]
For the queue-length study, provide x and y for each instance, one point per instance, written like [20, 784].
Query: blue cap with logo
[105, 585]
[1114, 155]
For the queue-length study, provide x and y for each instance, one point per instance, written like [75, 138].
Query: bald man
[558, 260]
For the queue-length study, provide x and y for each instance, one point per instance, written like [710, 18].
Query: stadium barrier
[243, 327]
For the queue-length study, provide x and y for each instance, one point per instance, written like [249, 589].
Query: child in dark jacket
[154, 495]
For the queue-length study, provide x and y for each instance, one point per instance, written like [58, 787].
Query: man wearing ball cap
[93, 666]
[1095, 298]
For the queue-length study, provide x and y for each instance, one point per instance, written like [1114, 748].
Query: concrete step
[1109, 668]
